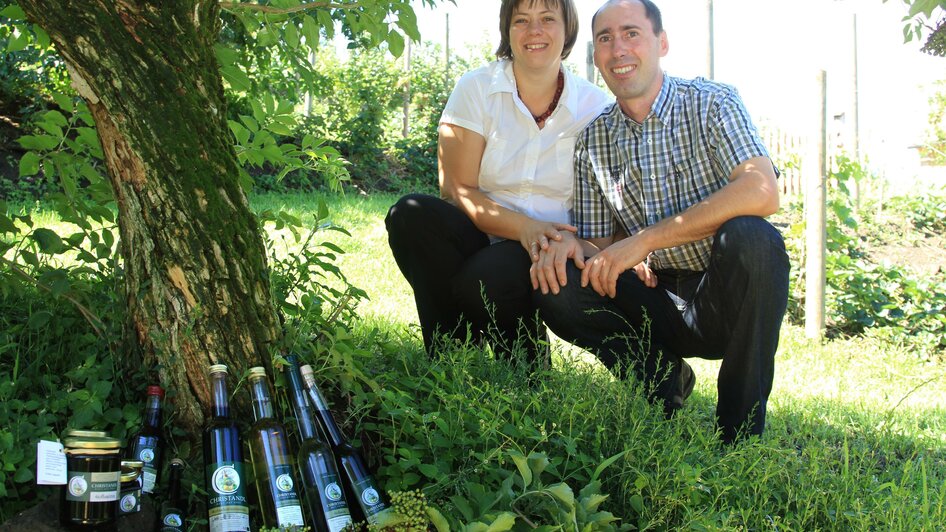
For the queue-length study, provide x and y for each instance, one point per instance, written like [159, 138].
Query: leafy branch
[273, 10]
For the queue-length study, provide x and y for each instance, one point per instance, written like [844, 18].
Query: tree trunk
[195, 267]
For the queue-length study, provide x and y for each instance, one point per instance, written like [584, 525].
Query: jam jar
[89, 500]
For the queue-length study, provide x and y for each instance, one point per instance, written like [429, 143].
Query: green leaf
[395, 43]
[437, 519]
[55, 117]
[637, 502]
[49, 242]
[522, 464]
[310, 30]
[250, 122]
[603, 465]
[38, 142]
[63, 101]
[505, 521]
[42, 38]
[226, 56]
[562, 492]
[13, 12]
[23, 474]
[279, 129]
[29, 164]
[292, 35]
[18, 42]
[430, 471]
[237, 79]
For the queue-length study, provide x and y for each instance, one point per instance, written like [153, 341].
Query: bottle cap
[306, 371]
[218, 368]
[258, 371]
[156, 390]
[177, 462]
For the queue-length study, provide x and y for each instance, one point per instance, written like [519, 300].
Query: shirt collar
[661, 109]
[504, 80]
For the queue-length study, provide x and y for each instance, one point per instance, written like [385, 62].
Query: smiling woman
[503, 133]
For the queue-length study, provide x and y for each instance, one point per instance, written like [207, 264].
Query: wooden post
[711, 49]
[590, 62]
[815, 232]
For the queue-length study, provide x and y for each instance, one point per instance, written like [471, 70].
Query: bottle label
[93, 487]
[227, 508]
[172, 521]
[147, 450]
[333, 502]
[288, 505]
[370, 499]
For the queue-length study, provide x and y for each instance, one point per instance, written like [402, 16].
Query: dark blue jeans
[733, 311]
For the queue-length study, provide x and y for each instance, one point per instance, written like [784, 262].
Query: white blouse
[524, 168]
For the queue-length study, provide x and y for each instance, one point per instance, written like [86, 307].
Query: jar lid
[156, 390]
[102, 443]
[131, 470]
[218, 368]
[81, 433]
[258, 371]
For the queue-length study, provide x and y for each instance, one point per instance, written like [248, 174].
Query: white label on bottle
[336, 524]
[50, 464]
[150, 478]
[289, 516]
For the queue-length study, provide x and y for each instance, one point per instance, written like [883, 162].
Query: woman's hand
[535, 236]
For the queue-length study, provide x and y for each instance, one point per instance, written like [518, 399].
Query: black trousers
[733, 311]
[462, 283]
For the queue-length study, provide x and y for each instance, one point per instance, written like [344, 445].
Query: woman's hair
[569, 14]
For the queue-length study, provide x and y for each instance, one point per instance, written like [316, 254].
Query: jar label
[130, 501]
[226, 504]
[93, 487]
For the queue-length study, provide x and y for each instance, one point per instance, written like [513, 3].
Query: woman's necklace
[558, 94]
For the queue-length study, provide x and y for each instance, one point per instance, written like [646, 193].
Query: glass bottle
[173, 514]
[324, 494]
[371, 499]
[272, 464]
[227, 508]
[149, 441]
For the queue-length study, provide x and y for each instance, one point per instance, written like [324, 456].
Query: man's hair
[569, 14]
[650, 9]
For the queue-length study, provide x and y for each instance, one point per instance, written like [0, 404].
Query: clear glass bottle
[227, 507]
[371, 499]
[273, 469]
[324, 492]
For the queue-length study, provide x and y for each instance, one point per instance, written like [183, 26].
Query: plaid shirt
[630, 175]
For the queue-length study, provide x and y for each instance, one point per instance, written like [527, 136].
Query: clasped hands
[601, 270]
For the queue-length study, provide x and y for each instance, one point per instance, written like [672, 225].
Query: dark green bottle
[273, 470]
[173, 514]
[371, 500]
[148, 442]
[227, 508]
[324, 492]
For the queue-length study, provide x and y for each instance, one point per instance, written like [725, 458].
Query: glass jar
[129, 500]
[89, 499]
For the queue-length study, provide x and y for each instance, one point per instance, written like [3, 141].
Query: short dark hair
[650, 9]
[569, 14]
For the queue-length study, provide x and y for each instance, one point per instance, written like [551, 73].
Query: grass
[856, 436]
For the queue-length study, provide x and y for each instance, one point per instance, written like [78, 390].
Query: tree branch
[233, 6]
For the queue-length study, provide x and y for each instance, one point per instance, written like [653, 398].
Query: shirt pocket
[565, 154]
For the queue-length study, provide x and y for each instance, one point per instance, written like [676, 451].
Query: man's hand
[535, 236]
[603, 269]
[548, 272]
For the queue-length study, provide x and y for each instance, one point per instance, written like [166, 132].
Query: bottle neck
[335, 436]
[174, 485]
[152, 416]
[305, 415]
[219, 398]
[262, 402]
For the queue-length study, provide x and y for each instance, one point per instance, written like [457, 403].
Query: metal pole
[711, 49]
[407, 90]
[815, 231]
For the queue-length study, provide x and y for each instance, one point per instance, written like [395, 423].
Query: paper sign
[50, 463]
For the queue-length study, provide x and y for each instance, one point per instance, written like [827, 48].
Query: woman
[507, 137]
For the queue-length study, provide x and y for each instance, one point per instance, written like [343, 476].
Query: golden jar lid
[91, 443]
[131, 470]
[80, 433]
[258, 371]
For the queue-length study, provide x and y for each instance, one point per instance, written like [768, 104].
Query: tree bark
[196, 280]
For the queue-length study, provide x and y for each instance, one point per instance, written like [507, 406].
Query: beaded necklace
[558, 94]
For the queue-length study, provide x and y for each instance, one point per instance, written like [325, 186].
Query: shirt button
[653, 177]
[650, 141]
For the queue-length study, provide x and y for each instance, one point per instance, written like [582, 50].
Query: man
[673, 257]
